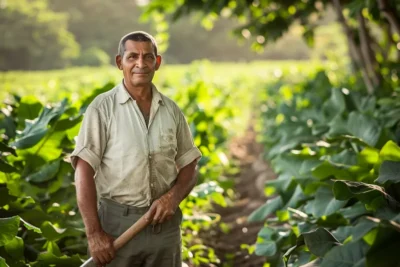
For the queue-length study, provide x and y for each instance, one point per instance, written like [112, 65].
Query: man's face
[138, 63]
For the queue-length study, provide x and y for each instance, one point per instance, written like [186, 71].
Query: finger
[96, 260]
[112, 256]
[106, 257]
[168, 218]
[164, 217]
[101, 260]
[158, 215]
[111, 252]
[150, 214]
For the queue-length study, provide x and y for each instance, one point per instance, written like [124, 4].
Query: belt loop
[125, 212]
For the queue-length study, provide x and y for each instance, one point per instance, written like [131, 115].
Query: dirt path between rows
[249, 189]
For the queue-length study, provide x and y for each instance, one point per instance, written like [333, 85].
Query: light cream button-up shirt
[134, 164]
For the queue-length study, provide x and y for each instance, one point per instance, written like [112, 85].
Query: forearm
[185, 182]
[86, 196]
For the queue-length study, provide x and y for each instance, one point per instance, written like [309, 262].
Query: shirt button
[152, 185]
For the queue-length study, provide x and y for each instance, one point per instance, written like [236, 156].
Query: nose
[140, 62]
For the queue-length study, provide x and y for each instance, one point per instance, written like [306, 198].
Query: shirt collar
[123, 96]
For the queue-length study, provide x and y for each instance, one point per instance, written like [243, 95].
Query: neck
[139, 93]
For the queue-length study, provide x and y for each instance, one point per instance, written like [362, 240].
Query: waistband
[122, 208]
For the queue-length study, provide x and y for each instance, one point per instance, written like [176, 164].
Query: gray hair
[137, 36]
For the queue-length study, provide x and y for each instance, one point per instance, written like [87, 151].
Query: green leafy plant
[336, 198]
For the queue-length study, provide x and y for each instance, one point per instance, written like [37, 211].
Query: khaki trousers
[155, 246]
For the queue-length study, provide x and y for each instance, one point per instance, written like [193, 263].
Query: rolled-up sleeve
[187, 151]
[91, 141]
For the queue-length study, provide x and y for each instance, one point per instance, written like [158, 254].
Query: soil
[249, 189]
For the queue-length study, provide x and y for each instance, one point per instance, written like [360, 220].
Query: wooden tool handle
[123, 238]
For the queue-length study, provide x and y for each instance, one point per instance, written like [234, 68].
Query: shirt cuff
[87, 155]
[188, 157]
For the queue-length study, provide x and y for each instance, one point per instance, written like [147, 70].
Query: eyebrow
[134, 53]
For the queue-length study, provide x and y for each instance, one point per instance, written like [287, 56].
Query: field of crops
[334, 150]
[38, 129]
[54, 85]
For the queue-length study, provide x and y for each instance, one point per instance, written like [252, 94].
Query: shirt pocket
[168, 145]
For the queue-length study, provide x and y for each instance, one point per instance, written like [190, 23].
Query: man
[134, 153]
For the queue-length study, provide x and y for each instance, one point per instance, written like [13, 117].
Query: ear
[118, 61]
[158, 62]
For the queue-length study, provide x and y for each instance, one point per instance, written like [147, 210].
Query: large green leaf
[354, 211]
[53, 233]
[31, 227]
[368, 155]
[5, 148]
[266, 248]
[46, 173]
[389, 172]
[324, 203]
[366, 193]
[342, 233]
[48, 149]
[390, 151]
[384, 243]
[7, 123]
[68, 123]
[308, 184]
[319, 241]
[9, 228]
[52, 247]
[49, 259]
[29, 108]
[363, 103]
[34, 131]
[328, 169]
[348, 255]
[266, 209]
[297, 197]
[6, 168]
[3, 262]
[268, 233]
[334, 105]
[5, 197]
[346, 157]
[15, 248]
[362, 228]
[364, 127]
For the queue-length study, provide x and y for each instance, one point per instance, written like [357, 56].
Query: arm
[164, 208]
[100, 243]
[186, 161]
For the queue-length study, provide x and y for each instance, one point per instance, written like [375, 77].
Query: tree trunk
[353, 46]
[391, 16]
[367, 52]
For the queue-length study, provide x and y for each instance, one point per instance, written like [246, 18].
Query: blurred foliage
[33, 36]
[92, 57]
[99, 24]
[371, 28]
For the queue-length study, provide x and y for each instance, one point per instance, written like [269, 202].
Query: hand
[101, 247]
[163, 208]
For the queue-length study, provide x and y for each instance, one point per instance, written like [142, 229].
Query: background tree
[34, 36]
[371, 28]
